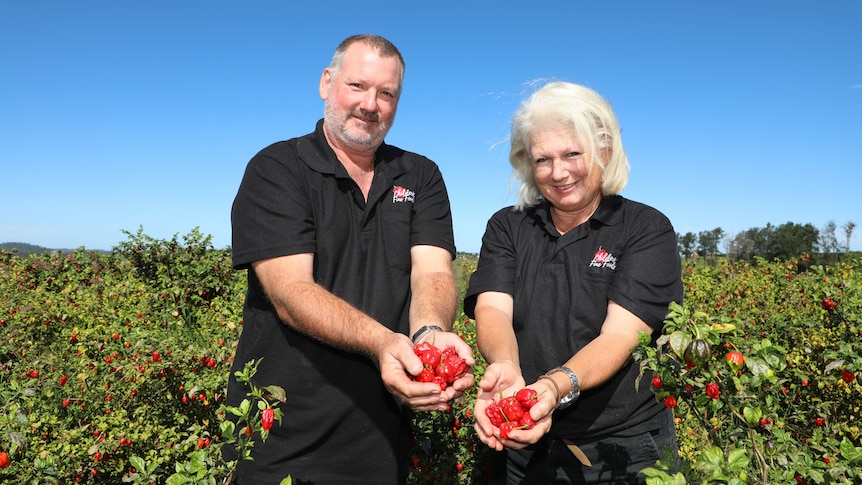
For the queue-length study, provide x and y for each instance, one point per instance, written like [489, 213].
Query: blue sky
[115, 115]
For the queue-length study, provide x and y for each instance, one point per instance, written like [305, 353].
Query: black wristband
[422, 331]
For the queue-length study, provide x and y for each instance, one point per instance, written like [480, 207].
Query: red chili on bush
[4, 460]
[735, 359]
[266, 417]
[670, 402]
[712, 390]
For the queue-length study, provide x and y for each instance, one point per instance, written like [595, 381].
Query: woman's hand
[500, 379]
[542, 414]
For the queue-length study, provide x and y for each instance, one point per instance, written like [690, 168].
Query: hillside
[23, 249]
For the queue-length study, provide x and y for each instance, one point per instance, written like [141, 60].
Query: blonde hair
[593, 122]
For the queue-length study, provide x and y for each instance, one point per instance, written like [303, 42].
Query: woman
[566, 280]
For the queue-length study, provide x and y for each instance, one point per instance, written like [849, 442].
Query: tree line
[787, 241]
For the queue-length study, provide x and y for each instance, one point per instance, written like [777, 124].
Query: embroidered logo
[603, 259]
[402, 194]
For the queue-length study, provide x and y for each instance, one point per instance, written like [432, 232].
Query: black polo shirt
[296, 197]
[626, 252]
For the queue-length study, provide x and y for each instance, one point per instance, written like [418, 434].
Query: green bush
[790, 412]
[113, 369]
[110, 356]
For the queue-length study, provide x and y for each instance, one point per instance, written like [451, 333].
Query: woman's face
[565, 175]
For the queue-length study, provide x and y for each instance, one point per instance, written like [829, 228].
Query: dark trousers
[615, 460]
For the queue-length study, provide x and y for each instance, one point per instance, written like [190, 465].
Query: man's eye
[541, 160]
[574, 154]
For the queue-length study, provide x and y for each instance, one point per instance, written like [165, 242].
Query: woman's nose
[559, 169]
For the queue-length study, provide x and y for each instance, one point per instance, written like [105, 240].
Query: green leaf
[138, 463]
[654, 472]
[227, 428]
[679, 341]
[757, 365]
[712, 456]
[752, 415]
[177, 479]
[276, 392]
[737, 459]
[850, 452]
[643, 338]
[816, 476]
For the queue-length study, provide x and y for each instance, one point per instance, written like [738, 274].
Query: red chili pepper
[266, 417]
[713, 391]
[670, 402]
[735, 359]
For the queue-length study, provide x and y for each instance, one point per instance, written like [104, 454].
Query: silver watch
[571, 397]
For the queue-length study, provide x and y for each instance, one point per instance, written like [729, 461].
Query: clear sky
[119, 114]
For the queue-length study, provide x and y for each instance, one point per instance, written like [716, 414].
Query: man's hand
[444, 340]
[399, 364]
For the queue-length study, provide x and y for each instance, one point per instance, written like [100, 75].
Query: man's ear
[325, 82]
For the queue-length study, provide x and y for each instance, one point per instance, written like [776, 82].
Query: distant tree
[755, 242]
[791, 240]
[848, 232]
[828, 242]
[740, 246]
[686, 243]
[707, 241]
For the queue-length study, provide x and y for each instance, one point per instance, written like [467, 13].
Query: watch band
[576, 386]
[423, 330]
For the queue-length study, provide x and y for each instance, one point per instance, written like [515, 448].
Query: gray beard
[364, 142]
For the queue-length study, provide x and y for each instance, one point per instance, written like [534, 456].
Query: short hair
[593, 123]
[381, 45]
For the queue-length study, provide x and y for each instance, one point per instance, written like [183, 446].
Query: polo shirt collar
[319, 156]
[608, 213]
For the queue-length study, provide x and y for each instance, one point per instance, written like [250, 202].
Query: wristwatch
[571, 397]
[426, 329]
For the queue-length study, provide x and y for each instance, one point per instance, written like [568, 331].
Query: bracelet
[422, 331]
[556, 389]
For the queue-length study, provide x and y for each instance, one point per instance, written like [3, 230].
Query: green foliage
[105, 357]
[113, 369]
[791, 411]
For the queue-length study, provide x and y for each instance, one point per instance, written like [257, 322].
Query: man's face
[361, 100]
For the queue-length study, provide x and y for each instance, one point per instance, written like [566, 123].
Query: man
[348, 244]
